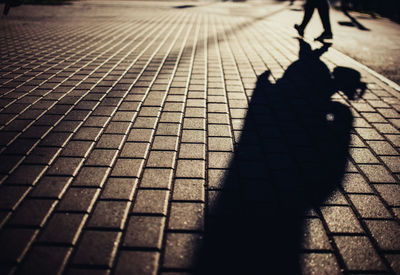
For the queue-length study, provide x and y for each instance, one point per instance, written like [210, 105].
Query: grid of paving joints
[122, 141]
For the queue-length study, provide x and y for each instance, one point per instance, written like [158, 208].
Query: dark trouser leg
[6, 8]
[308, 12]
[323, 10]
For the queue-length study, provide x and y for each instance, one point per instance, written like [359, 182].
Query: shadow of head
[349, 82]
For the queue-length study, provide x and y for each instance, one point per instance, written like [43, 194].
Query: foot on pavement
[299, 29]
[324, 36]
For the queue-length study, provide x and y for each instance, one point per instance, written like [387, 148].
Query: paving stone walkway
[177, 137]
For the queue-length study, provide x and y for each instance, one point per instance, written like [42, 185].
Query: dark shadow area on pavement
[353, 22]
[297, 9]
[291, 156]
[185, 6]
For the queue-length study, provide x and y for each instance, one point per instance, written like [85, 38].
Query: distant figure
[6, 8]
[344, 5]
[10, 3]
[323, 10]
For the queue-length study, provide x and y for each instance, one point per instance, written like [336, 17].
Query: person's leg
[308, 12]
[6, 8]
[344, 5]
[323, 10]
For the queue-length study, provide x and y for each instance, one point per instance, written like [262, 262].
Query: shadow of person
[353, 22]
[345, 6]
[291, 156]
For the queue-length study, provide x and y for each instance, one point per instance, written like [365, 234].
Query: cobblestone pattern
[118, 125]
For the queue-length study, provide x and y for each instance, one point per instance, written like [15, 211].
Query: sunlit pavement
[124, 125]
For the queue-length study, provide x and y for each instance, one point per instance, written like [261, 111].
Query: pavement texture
[186, 137]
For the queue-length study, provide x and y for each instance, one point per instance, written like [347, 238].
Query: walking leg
[323, 10]
[6, 8]
[308, 12]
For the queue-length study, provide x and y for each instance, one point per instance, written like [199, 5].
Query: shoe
[299, 29]
[323, 36]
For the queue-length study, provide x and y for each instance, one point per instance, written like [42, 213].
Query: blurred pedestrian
[10, 3]
[344, 5]
[323, 11]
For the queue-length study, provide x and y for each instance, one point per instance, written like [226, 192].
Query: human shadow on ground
[353, 22]
[291, 156]
[345, 6]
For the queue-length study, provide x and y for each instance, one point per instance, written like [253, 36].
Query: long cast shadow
[291, 156]
[354, 22]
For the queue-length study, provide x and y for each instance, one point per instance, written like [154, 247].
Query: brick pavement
[141, 138]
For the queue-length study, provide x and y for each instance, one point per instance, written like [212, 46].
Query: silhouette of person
[344, 5]
[291, 156]
[10, 3]
[323, 11]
